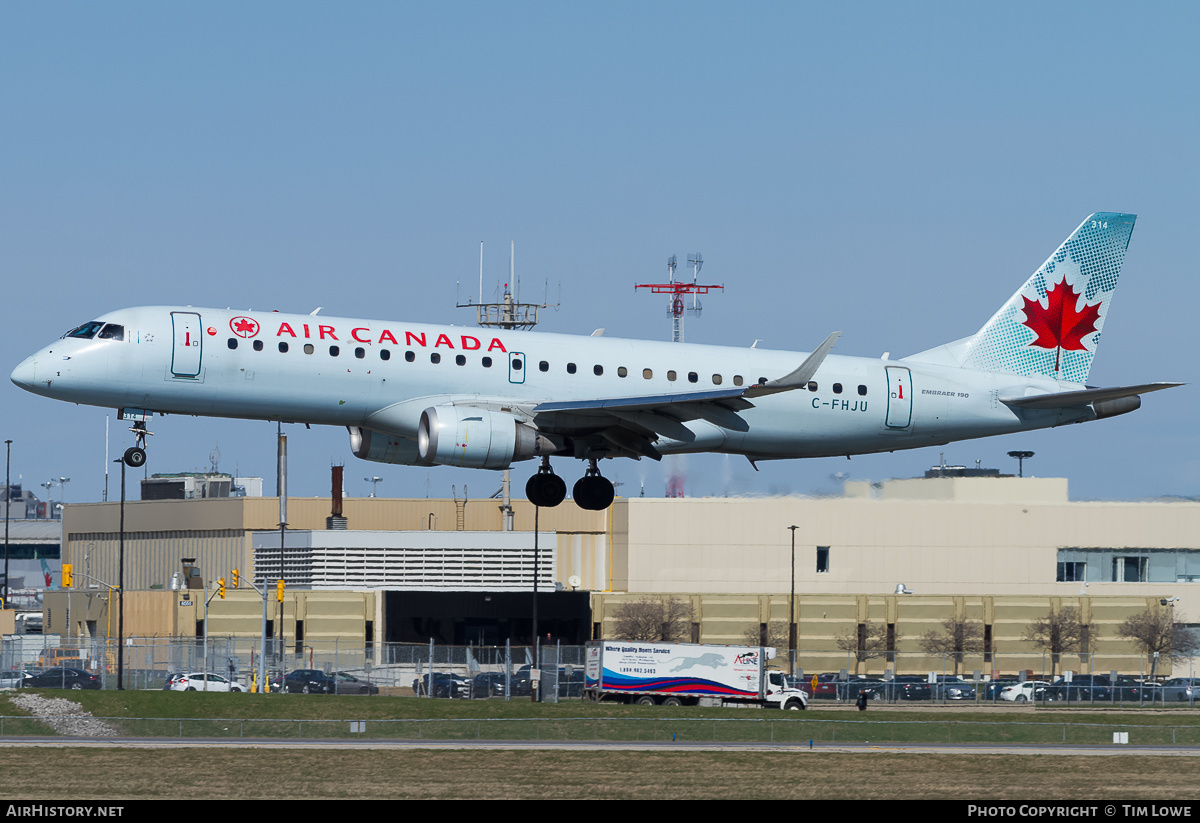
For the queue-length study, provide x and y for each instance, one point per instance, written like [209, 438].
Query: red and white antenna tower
[678, 291]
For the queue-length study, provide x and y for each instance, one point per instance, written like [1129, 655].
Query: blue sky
[893, 171]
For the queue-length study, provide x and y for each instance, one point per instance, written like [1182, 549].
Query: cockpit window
[113, 331]
[87, 331]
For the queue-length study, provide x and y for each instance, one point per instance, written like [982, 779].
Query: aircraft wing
[630, 425]
[1084, 397]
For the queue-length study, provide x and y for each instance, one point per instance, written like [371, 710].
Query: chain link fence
[506, 672]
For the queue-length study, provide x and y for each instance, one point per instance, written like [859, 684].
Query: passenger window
[647, 373]
[737, 380]
[862, 390]
[435, 358]
[516, 364]
[233, 342]
[461, 360]
[622, 371]
[693, 377]
[258, 345]
[308, 348]
[334, 351]
[385, 354]
[597, 370]
[283, 346]
[716, 379]
[570, 368]
[671, 376]
[837, 388]
[112, 331]
[410, 356]
[360, 352]
[487, 362]
[543, 366]
[812, 385]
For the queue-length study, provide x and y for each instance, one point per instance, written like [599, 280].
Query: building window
[1130, 569]
[1071, 572]
[822, 559]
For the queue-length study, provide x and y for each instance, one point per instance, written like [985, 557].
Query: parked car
[1181, 689]
[993, 688]
[901, 687]
[1024, 692]
[13, 680]
[445, 684]
[346, 683]
[201, 682]
[307, 681]
[62, 677]
[487, 684]
[1083, 687]
[952, 687]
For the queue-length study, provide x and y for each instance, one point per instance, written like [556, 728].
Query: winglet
[800, 377]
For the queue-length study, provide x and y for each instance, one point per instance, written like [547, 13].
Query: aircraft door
[899, 409]
[189, 339]
[516, 367]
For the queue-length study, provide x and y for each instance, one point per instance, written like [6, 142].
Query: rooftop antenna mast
[678, 291]
[509, 314]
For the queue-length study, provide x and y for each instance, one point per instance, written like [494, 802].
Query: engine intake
[477, 438]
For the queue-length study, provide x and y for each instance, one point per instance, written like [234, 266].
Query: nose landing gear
[135, 457]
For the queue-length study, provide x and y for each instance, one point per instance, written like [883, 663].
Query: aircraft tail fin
[1051, 326]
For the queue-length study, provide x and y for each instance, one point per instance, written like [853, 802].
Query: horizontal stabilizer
[1084, 397]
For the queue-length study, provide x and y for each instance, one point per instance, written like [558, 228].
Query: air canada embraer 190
[417, 394]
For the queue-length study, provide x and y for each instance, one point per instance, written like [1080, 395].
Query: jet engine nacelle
[477, 438]
[383, 448]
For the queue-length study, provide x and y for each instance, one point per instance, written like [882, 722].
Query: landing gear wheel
[593, 492]
[545, 489]
[135, 457]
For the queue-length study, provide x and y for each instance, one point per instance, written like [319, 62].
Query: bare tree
[1157, 634]
[777, 634]
[652, 619]
[956, 639]
[1058, 632]
[870, 640]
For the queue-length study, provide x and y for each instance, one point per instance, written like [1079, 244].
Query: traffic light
[221, 587]
[279, 590]
[235, 578]
[68, 575]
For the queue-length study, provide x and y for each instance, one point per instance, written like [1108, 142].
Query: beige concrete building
[997, 551]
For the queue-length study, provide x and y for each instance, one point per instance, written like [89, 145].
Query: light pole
[792, 611]
[1021, 457]
[7, 503]
[121, 587]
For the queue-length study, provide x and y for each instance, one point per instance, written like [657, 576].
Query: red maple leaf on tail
[1059, 325]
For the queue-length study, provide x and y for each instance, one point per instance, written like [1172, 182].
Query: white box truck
[686, 674]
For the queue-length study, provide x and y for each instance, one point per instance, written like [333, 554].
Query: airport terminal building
[898, 559]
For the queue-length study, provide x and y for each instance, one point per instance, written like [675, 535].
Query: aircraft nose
[25, 374]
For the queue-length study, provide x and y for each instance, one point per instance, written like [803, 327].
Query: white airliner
[418, 394]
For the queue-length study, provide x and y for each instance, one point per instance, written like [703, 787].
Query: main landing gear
[135, 457]
[546, 489]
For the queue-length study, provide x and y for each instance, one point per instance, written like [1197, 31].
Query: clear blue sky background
[894, 171]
